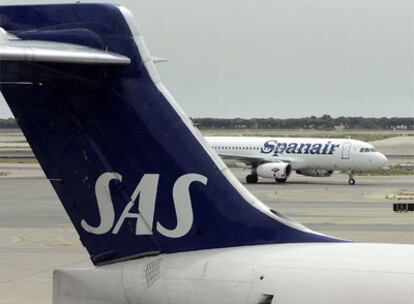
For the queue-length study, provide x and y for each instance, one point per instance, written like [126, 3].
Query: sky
[281, 58]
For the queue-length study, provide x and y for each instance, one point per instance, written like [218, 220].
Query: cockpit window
[367, 150]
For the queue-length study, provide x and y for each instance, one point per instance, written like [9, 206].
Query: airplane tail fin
[133, 174]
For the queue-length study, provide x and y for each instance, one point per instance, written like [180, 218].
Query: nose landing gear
[351, 180]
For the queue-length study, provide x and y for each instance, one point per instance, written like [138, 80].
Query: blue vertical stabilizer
[131, 171]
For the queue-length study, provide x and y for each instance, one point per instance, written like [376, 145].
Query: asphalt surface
[37, 237]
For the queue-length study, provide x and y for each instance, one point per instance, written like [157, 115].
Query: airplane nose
[382, 159]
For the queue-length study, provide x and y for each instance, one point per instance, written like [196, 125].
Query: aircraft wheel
[251, 179]
[351, 181]
[281, 180]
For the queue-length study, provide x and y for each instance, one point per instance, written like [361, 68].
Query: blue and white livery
[162, 217]
[275, 158]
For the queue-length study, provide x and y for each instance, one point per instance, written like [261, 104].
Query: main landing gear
[351, 180]
[251, 179]
[281, 180]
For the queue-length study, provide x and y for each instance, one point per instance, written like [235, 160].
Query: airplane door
[346, 150]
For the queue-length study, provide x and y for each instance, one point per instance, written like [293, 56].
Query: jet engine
[315, 172]
[280, 171]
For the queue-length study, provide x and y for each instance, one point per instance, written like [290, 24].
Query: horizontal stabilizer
[49, 51]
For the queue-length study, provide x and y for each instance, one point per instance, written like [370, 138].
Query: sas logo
[146, 193]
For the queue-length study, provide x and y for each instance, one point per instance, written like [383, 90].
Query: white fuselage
[312, 273]
[302, 153]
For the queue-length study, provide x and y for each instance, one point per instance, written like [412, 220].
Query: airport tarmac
[399, 149]
[36, 235]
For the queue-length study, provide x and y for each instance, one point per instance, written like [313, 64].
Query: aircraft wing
[248, 159]
[244, 158]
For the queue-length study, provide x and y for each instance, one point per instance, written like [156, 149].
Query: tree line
[9, 123]
[325, 122]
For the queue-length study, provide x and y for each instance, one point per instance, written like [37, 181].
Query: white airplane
[276, 157]
[162, 217]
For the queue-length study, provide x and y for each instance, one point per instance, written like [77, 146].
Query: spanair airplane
[162, 217]
[276, 157]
